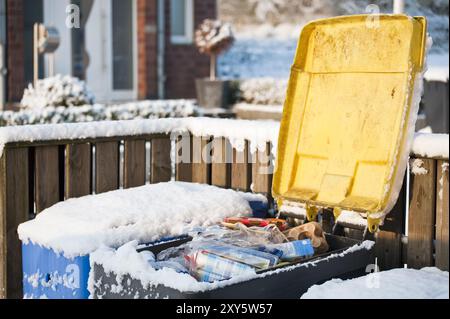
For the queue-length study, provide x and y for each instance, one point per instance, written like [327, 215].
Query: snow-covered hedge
[57, 91]
[267, 91]
[99, 112]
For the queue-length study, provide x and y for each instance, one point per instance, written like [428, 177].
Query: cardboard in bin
[350, 113]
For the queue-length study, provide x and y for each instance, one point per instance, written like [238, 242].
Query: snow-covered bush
[213, 38]
[99, 112]
[267, 91]
[57, 91]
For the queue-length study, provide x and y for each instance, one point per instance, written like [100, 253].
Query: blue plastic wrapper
[294, 249]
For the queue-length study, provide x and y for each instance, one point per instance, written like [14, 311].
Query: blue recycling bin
[50, 275]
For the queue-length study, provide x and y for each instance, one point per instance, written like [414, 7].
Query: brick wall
[15, 50]
[183, 63]
[147, 48]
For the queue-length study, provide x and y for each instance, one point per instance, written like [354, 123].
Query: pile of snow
[268, 91]
[416, 166]
[127, 261]
[57, 91]
[149, 109]
[428, 283]
[257, 133]
[431, 145]
[79, 226]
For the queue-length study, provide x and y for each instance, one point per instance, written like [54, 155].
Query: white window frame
[188, 37]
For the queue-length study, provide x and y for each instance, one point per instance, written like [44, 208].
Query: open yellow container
[350, 113]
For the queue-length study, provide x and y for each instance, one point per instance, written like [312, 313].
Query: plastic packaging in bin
[295, 249]
[208, 267]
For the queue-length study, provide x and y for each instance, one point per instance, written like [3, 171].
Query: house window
[122, 42]
[181, 21]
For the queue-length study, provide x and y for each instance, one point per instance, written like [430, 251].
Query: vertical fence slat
[388, 250]
[201, 160]
[78, 170]
[388, 247]
[262, 171]
[134, 163]
[221, 163]
[106, 166]
[422, 217]
[46, 176]
[184, 158]
[160, 163]
[241, 170]
[14, 210]
[442, 212]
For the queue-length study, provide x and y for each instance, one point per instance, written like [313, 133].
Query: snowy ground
[428, 283]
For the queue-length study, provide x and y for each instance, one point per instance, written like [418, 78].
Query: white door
[110, 43]
[55, 16]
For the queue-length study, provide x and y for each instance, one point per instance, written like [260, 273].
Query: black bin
[347, 258]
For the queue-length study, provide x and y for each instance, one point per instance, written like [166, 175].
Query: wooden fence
[36, 175]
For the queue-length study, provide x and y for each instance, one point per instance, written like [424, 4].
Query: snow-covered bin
[125, 273]
[57, 244]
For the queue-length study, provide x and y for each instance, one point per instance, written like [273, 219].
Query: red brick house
[124, 49]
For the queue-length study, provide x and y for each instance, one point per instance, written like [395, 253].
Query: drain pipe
[399, 6]
[161, 49]
[2, 54]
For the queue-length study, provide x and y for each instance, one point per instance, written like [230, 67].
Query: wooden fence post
[160, 163]
[184, 149]
[78, 170]
[14, 210]
[201, 160]
[221, 162]
[388, 247]
[241, 169]
[106, 166]
[134, 163]
[442, 247]
[422, 216]
[46, 176]
[262, 171]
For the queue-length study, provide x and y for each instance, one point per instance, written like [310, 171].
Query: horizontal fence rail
[35, 175]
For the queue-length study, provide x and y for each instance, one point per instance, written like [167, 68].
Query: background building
[124, 49]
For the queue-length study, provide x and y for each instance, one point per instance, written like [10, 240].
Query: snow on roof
[79, 226]
[428, 283]
[237, 131]
[431, 145]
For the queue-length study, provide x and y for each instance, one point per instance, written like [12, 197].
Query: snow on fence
[41, 165]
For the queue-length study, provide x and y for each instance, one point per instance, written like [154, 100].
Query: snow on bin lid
[79, 226]
[349, 114]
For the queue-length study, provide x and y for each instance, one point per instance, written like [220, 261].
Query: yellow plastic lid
[348, 110]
